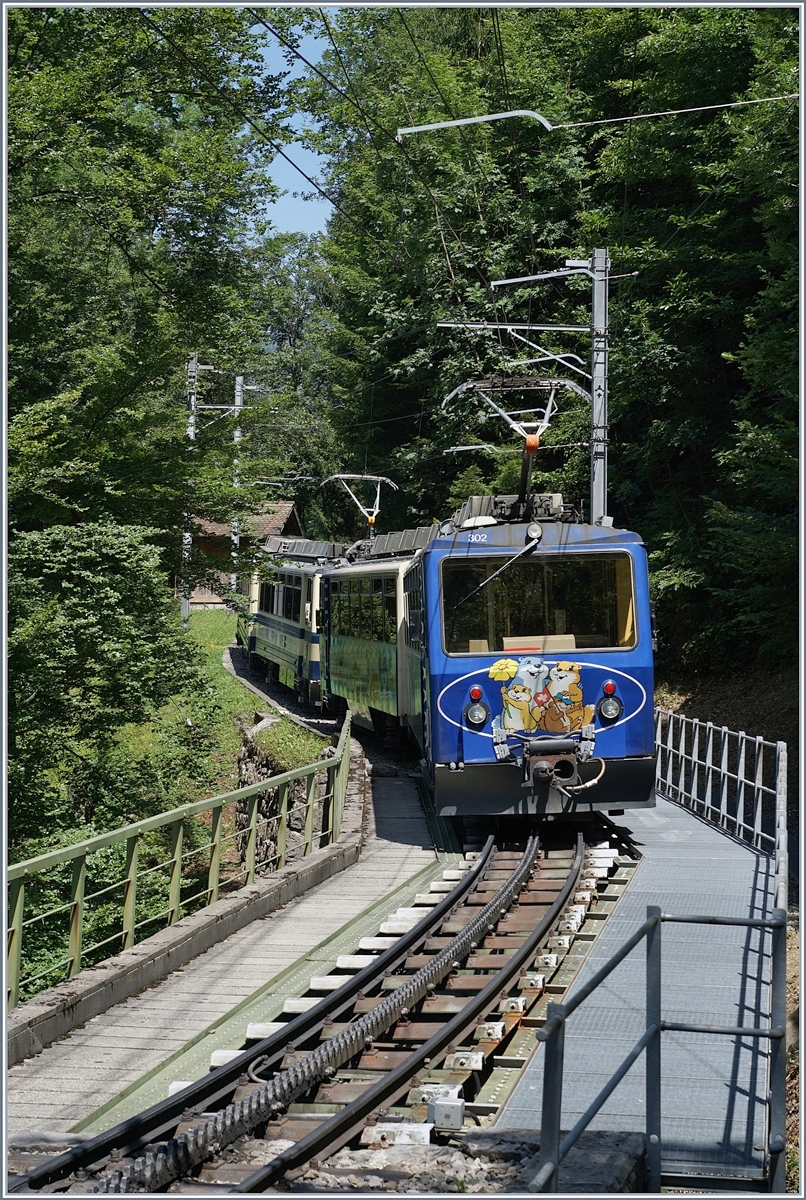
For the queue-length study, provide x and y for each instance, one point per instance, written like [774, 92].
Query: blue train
[513, 642]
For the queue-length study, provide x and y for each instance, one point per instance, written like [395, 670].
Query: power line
[502, 67]
[343, 66]
[245, 117]
[673, 112]
[439, 92]
[368, 117]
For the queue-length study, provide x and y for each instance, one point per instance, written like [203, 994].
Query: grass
[187, 752]
[288, 744]
[210, 728]
[213, 631]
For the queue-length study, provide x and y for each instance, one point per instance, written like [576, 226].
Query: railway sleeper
[501, 1043]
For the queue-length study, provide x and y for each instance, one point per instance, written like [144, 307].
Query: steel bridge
[674, 1027]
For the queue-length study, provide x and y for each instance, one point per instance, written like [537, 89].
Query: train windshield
[545, 603]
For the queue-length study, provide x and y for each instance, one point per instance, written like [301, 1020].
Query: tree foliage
[699, 214]
[95, 643]
[139, 142]
[139, 146]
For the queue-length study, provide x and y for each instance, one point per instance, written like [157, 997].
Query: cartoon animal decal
[564, 686]
[536, 697]
[521, 681]
[517, 709]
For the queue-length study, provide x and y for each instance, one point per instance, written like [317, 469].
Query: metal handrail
[552, 1148]
[19, 874]
[719, 774]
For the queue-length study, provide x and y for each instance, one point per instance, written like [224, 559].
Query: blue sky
[292, 214]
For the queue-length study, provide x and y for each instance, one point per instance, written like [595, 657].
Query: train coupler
[554, 762]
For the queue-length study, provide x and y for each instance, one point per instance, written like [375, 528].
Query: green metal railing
[296, 826]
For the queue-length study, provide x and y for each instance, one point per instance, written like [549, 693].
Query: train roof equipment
[372, 511]
[303, 550]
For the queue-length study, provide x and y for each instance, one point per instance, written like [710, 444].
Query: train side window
[335, 606]
[266, 599]
[377, 611]
[355, 607]
[390, 606]
[365, 619]
[413, 632]
[296, 603]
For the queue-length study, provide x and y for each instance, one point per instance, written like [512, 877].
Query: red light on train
[609, 687]
[475, 692]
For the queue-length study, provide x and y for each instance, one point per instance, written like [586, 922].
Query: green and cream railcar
[364, 656]
[281, 631]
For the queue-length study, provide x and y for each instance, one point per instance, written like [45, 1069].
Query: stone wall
[255, 764]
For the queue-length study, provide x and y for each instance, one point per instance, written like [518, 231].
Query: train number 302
[477, 537]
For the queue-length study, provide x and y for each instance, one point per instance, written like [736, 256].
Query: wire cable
[386, 133]
[252, 124]
[673, 112]
[369, 119]
[346, 73]
[441, 94]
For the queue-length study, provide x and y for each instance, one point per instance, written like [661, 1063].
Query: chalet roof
[274, 519]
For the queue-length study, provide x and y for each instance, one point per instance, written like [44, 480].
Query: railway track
[422, 1035]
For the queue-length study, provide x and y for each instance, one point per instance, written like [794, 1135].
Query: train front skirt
[497, 789]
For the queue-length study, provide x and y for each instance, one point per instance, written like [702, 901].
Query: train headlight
[610, 709]
[477, 714]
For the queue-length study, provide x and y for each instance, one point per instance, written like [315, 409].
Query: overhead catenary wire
[386, 133]
[439, 91]
[674, 112]
[367, 117]
[346, 73]
[502, 67]
[449, 109]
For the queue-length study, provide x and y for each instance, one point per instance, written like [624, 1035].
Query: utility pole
[193, 408]
[600, 267]
[597, 268]
[187, 536]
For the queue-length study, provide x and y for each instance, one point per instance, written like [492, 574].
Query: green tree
[134, 188]
[701, 205]
[95, 643]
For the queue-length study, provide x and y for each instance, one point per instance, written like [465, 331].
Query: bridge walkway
[714, 1103]
[69, 1080]
[714, 1087]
